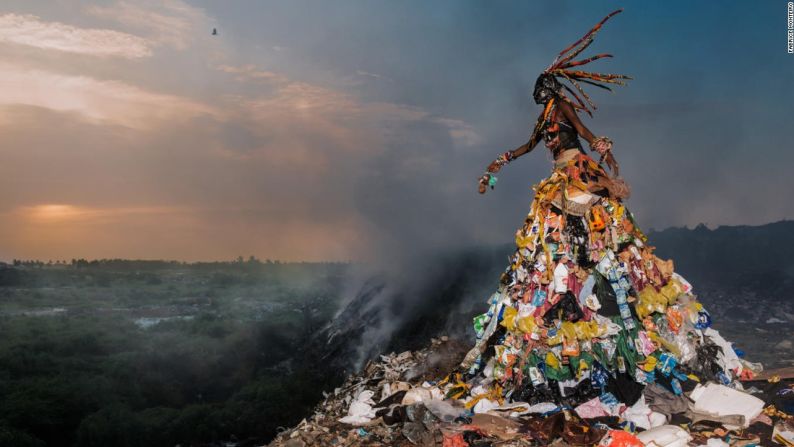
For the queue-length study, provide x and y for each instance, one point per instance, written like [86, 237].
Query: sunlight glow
[53, 212]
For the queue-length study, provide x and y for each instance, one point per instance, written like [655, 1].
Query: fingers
[482, 184]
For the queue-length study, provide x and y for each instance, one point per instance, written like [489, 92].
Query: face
[544, 88]
[542, 95]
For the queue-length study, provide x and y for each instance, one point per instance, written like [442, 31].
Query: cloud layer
[31, 31]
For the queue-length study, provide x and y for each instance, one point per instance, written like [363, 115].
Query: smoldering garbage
[589, 339]
[396, 401]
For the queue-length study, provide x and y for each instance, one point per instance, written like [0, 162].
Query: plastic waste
[728, 358]
[360, 411]
[720, 400]
[715, 442]
[783, 433]
[665, 436]
[444, 411]
[642, 416]
[595, 408]
[415, 395]
[561, 278]
[620, 438]
[454, 440]
[484, 406]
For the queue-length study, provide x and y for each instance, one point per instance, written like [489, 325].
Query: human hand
[602, 145]
[485, 181]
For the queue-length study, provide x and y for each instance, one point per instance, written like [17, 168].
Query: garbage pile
[590, 339]
[409, 399]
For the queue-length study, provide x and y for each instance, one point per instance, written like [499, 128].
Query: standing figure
[585, 308]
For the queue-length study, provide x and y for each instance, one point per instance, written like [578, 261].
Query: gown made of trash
[585, 308]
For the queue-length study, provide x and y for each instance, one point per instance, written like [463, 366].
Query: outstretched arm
[525, 148]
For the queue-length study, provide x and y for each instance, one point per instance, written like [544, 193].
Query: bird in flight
[214, 31]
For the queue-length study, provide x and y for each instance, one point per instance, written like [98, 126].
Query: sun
[53, 212]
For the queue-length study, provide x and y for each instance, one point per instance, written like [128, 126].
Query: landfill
[407, 399]
[589, 339]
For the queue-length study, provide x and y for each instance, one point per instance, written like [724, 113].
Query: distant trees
[90, 377]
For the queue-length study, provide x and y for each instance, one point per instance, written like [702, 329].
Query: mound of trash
[420, 398]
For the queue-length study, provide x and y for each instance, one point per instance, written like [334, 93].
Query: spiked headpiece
[562, 68]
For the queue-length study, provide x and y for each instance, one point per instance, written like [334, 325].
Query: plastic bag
[620, 438]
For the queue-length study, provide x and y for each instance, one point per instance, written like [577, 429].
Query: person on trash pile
[558, 124]
[583, 288]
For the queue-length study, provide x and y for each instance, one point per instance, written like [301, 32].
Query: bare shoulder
[566, 108]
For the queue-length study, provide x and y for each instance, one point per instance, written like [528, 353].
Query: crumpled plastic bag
[665, 436]
[444, 410]
[484, 406]
[594, 408]
[421, 394]
[642, 416]
[360, 411]
[620, 438]
[728, 358]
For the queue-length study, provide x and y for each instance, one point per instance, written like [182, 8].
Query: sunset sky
[354, 130]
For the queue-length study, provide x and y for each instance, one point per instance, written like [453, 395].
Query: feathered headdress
[563, 64]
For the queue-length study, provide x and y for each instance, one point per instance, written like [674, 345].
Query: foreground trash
[405, 400]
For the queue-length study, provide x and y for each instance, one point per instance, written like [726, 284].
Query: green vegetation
[136, 353]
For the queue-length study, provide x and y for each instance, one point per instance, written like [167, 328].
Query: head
[546, 87]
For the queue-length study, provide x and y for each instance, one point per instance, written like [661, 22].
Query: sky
[356, 130]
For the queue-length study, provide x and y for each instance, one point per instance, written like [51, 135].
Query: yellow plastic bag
[527, 325]
[509, 318]
[649, 364]
[552, 361]
[650, 301]
[671, 291]
[586, 330]
[525, 240]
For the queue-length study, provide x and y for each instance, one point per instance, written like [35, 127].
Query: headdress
[564, 63]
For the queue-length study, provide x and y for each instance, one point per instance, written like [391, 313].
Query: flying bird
[214, 31]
